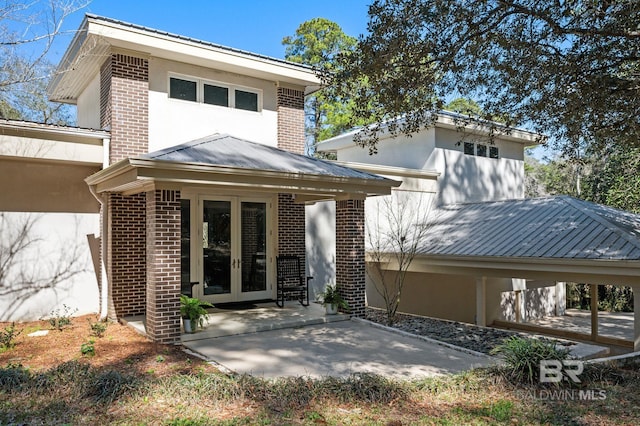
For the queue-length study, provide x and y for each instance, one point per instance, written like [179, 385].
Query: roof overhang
[593, 271]
[135, 175]
[98, 37]
[445, 120]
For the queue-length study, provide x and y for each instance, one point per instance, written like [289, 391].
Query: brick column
[163, 266]
[126, 255]
[291, 226]
[291, 217]
[291, 120]
[124, 109]
[350, 258]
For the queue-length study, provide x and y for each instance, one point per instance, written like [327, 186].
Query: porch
[236, 319]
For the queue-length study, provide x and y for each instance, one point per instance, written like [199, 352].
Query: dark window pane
[185, 247]
[216, 95]
[493, 152]
[246, 100]
[482, 150]
[182, 89]
[468, 148]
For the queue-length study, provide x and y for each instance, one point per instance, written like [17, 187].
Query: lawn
[78, 375]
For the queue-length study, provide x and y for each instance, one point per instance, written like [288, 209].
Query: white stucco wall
[53, 270]
[172, 121]
[321, 245]
[88, 105]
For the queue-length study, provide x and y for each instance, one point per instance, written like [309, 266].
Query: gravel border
[469, 338]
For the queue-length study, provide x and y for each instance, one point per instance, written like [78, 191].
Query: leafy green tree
[566, 69]
[317, 43]
[615, 180]
[464, 106]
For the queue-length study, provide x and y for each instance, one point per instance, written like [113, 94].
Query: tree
[567, 69]
[317, 43]
[28, 31]
[394, 229]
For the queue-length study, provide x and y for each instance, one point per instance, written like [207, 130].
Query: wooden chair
[291, 280]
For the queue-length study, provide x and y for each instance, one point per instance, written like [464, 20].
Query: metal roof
[195, 40]
[559, 227]
[229, 151]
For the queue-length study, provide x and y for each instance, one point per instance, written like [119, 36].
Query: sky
[257, 26]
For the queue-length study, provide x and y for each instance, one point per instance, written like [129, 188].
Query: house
[489, 256]
[187, 170]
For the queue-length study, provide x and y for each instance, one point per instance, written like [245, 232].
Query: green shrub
[61, 319]
[523, 355]
[106, 387]
[13, 376]
[8, 336]
[98, 328]
[87, 348]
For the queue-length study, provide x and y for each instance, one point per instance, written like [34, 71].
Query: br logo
[553, 370]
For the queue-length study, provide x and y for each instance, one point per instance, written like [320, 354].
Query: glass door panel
[253, 236]
[216, 247]
[185, 247]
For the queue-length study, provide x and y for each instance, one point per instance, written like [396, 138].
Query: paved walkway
[334, 349]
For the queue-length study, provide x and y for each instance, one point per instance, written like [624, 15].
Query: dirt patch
[120, 348]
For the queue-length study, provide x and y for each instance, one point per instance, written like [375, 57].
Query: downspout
[102, 199]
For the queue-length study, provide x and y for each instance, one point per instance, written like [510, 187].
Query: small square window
[182, 89]
[469, 148]
[216, 95]
[481, 150]
[493, 152]
[246, 100]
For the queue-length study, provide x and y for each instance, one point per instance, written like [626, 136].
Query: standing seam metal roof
[229, 151]
[559, 227]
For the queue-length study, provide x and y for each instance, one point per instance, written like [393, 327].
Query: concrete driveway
[334, 349]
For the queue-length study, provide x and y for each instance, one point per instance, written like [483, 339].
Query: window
[211, 93]
[216, 95]
[469, 148]
[246, 100]
[182, 89]
[480, 150]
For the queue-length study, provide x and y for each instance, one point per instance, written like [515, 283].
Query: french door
[234, 249]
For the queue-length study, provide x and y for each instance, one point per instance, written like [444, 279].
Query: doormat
[237, 306]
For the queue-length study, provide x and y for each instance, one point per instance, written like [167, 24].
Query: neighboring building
[195, 181]
[489, 256]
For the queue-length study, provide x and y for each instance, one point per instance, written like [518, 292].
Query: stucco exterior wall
[88, 105]
[320, 243]
[451, 297]
[173, 121]
[53, 270]
[45, 187]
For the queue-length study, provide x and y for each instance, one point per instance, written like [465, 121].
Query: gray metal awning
[554, 238]
[230, 162]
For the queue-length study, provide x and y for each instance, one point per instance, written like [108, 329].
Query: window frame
[231, 94]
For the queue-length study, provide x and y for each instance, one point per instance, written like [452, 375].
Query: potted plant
[193, 312]
[332, 300]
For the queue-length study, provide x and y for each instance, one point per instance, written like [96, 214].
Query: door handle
[233, 264]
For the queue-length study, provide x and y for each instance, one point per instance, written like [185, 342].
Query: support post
[636, 317]
[561, 298]
[481, 301]
[594, 311]
[518, 310]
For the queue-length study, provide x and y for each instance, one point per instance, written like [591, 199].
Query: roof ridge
[575, 203]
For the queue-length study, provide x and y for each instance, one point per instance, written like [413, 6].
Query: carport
[560, 239]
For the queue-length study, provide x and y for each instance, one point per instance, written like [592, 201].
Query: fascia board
[183, 50]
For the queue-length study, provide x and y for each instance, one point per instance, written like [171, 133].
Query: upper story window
[480, 150]
[195, 90]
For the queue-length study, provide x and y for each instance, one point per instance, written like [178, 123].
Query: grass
[77, 393]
